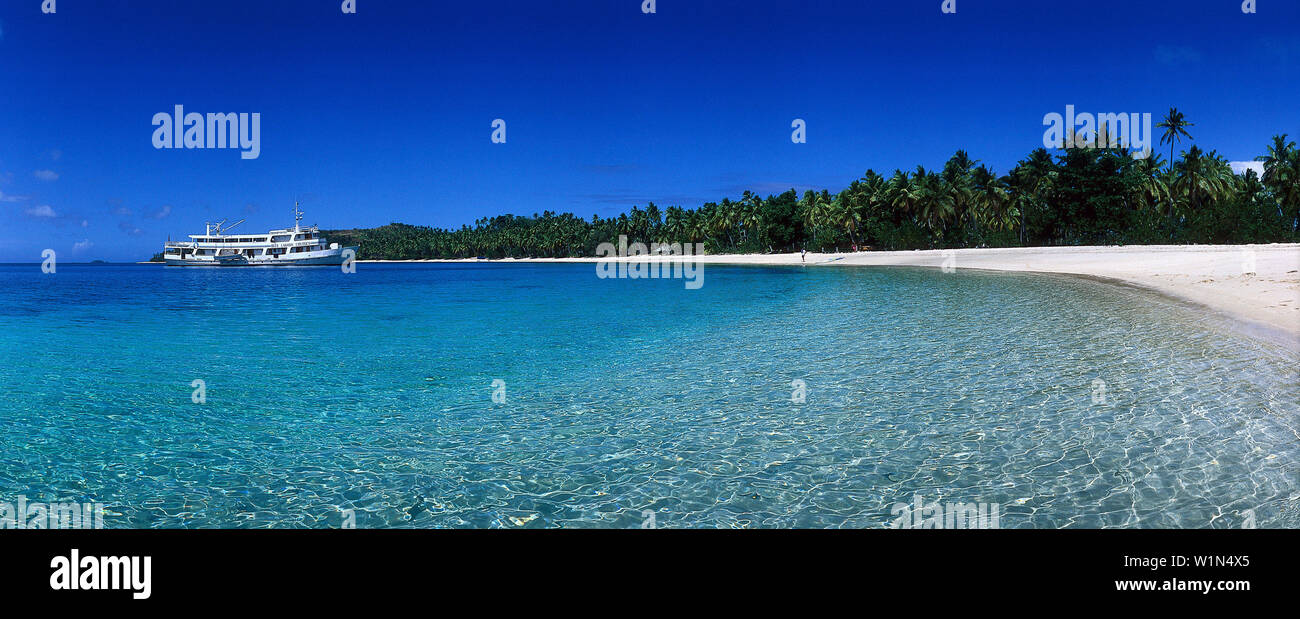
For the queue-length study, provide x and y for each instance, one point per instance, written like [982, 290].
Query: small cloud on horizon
[5, 198]
[46, 175]
[1240, 167]
[43, 210]
[161, 213]
[129, 229]
[82, 245]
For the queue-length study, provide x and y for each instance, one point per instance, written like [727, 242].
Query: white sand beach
[1257, 284]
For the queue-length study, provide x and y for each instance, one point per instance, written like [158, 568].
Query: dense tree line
[1088, 194]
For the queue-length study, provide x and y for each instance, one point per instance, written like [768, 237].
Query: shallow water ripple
[372, 392]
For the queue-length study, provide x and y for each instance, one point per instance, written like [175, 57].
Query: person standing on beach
[803, 256]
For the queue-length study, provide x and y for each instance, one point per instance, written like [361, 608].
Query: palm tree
[724, 220]
[807, 214]
[1279, 158]
[751, 214]
[902, 194]
[824, 208]
[1202, 177]
[1282, 176]
[1251, 189]
[1033, 179]
[989, 206]
[622, 224]
[653, 221]
[674, 228]
[811, 213]
[846, 216]
[873, 190]
[695, 228]
[957, 178]
[934, 204]
[1154, 187]
[638, 225]
[1175, 126]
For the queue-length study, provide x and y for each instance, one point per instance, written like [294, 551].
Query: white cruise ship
[297, 246]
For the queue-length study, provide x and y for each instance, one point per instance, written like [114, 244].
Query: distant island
[1088, 195]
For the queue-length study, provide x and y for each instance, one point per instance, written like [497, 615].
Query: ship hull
[335, 258]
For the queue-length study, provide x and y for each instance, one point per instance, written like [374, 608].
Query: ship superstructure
[217, 246]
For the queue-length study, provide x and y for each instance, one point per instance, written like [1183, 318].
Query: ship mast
[219, 228]
[297, 217]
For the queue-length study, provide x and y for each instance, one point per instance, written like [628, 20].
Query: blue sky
[385, 115]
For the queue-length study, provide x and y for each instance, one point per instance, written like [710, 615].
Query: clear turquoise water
[372, 392]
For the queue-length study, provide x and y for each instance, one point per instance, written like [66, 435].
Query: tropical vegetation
[1075, 196]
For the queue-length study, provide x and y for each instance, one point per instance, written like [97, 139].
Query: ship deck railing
[251, 244]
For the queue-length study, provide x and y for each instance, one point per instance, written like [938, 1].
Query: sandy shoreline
[1213, 276]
